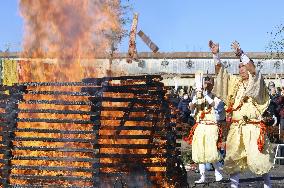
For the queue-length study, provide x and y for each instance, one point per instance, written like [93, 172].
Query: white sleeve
[216, 58]
[216, 102]
[245, 59]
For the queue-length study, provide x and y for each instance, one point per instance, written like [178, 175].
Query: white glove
[194, 100]
[245, 59]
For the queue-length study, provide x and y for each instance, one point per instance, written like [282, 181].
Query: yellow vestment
[249, 100]
[205, 138]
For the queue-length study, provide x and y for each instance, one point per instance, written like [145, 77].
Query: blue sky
[181, 25]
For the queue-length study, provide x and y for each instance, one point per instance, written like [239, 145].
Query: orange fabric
[191, 133]
[261, 138]
[220, 133]
[203, 113]
[231, 109]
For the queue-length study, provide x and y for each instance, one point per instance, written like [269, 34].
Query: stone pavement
[246, 179]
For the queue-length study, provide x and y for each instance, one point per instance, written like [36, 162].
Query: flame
[59, 36]
[116, 122]
[53, 144]
[69, 29]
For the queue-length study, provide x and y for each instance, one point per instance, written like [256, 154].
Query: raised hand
[214, 47]
[236, 48]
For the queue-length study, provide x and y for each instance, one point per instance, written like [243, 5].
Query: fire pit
[101, 132]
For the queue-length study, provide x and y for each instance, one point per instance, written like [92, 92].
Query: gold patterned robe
[242, 152]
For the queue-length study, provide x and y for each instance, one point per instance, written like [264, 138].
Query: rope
[220, 133]
[191, 133]
[231, 109]
[261, 138]
[203, 113]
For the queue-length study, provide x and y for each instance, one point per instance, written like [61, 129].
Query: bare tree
[276, 44]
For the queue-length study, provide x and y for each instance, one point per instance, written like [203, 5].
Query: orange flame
[58, 36]
[69, 29]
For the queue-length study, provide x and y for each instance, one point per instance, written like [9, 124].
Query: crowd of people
[245, 104]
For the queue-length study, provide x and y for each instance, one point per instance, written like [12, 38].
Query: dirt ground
[247, 179]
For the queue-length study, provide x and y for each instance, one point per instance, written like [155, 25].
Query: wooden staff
[132, 51]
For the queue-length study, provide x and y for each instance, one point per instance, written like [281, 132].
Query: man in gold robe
[246, 96]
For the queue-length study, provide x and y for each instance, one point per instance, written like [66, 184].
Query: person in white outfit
[205, 135]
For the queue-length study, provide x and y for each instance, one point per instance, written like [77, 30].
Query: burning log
[7, 127]
[148, 41]
[53, 131]
[69, 93]
[52, 111]
[89, 135]
[57, 84]
[54, 120]
[124, 78]
[125, 117]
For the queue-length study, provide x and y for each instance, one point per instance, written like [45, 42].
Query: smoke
[69, 29]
